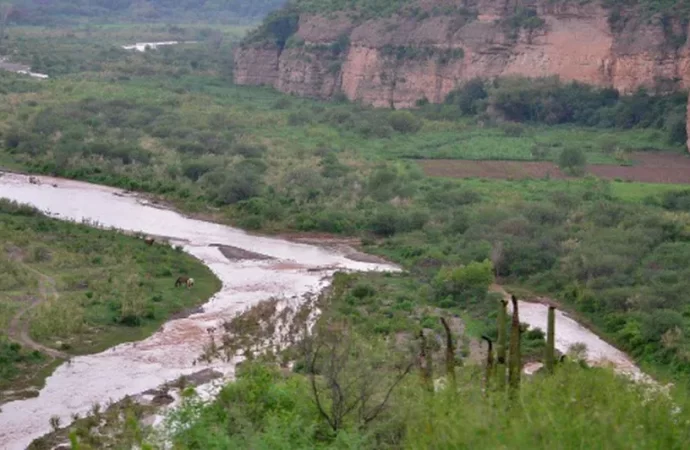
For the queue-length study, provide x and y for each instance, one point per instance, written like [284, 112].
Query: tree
[404, 122]
[350, 379]
[474, 278]
[572, 161]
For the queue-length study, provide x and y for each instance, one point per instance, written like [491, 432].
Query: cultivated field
[648, 167]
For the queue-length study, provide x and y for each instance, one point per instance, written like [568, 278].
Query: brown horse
[189, 282]
[149, 241]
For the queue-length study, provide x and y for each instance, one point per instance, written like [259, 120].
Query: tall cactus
[426, 369]
[514, 362]
[489, 364]
[550, 339]
[450, 354]
[501, 344]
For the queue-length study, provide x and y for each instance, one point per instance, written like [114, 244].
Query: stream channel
[127, 369]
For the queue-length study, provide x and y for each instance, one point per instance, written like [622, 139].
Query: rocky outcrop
[399, 60]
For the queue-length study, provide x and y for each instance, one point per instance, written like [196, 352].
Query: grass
[638, 192]
[108, 288]
[467, 141]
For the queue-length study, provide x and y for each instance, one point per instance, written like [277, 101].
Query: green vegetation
[98, 49]
[265, 408]
[440, 55]
[550, 101]
[69, 12]
[358, 9]
[170, 122]
[273, 162]
[572, 161]
[90, 289]
[522, 19]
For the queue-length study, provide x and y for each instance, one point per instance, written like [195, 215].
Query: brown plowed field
[648, 168]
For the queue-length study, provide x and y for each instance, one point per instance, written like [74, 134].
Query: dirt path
[19, 329]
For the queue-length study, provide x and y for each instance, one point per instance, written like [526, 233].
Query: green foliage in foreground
[108, 288]
[575, 408]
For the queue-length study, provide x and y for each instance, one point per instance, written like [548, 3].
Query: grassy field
[82, 290]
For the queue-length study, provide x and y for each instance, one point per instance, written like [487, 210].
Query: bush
[472, 279]
[242, 185]
[195, 169]
[249, 150]
[511, 129]
[676, 200]
[572, 161]
[300, 117]
[470, 97]
[404, 122]
[384, 222]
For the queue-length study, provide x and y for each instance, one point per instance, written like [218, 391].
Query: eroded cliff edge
[427, 48]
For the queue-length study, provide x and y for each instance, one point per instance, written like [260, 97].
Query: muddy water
[569, 332]
[142, 46]
[131, 368]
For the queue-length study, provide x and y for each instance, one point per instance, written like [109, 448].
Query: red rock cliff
[399, 60]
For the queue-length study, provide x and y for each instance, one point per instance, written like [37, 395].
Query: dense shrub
[470, 97]
[572, 160]
[460, 282]
[405, 122]
[550, 101]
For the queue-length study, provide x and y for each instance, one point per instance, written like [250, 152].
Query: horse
[189, 282]
[149, 241]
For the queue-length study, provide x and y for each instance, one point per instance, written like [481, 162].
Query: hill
[38, 12]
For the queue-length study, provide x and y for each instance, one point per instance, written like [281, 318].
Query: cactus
[425, 363]
[74, 442]
[450, 354]
[489, 364]
[501, 345]
[514, 361]
[550, 339]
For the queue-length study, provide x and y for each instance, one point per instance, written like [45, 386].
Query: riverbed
[142, 46]
[290, 271]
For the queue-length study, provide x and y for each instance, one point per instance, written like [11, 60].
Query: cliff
[426, 48]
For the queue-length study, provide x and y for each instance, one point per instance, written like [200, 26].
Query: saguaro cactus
[501, 344]
[550, 339]
[514, 362]
[425, 366]
[489, 363]
[450, 354]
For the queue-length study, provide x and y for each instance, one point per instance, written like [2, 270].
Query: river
[131, 368]
[142, 46]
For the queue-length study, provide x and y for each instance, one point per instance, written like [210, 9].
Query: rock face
[432, 46]
[399, 60]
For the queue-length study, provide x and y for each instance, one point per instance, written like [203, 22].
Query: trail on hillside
[19, 329]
